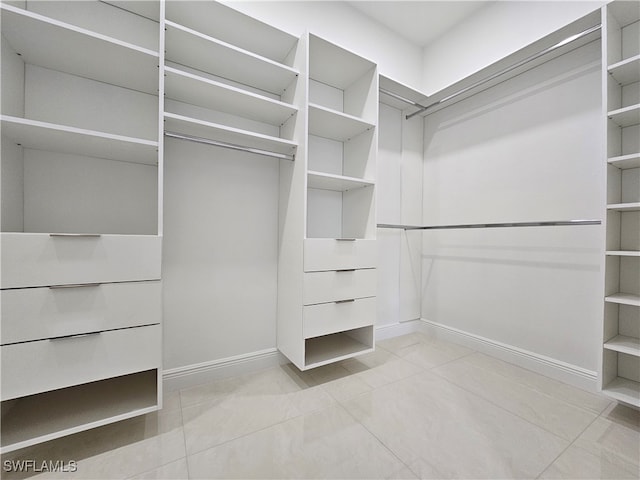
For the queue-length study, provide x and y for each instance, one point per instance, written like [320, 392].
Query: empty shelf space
[624, 253]
[624, 207]
[199, 51]
[624, 390]
[328, 123]
[625, 162]
[338, 183]
[627, 71]
[25, 422]
[626, 116]
[59, 138]
[624, 299]
[196, 90]
[234, 27]
[628, 345]
[63, 47]
[222, 133]
[331, 348]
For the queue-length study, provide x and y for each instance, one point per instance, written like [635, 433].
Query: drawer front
[322, 287]
[38, 259]
[327, 318]
[41, 313]
[35, 367]
[331, 254]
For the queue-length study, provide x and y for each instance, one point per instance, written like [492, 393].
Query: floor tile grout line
[386, 447]
[503, 408]
[567, 447]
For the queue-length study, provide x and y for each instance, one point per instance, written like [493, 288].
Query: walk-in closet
[320, 239]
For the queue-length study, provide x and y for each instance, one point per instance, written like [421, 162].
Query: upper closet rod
[550, 49]
[231, 146]
[556, 223]
[401, 98]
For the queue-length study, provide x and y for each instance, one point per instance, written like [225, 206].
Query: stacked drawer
[339, 285]
[77, 309]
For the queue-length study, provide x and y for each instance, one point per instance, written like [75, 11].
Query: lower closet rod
[556, 223]
[231, 146]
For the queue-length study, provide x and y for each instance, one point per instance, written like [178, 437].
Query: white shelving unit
[79, 122]
[222, 83]
[621, 329]
[328, 214]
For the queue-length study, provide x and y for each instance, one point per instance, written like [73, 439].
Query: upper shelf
[77, 141]
[196, 90]
[627, 71]
[338, 183]
[624, 207]
[223, 133]
[625, 162]
[332, 124]
[59, 46]
[628, 345]
[626, 12]
[626, 116]
[202, 52]
[333, 65]
[624, 299]
[231, 26]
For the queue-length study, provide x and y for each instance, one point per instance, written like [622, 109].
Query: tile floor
[416, 408]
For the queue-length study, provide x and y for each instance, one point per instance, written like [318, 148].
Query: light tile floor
[416, 408]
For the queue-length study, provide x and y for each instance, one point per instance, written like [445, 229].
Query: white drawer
[331, 254]
[34, 367]
[38, 259]
[333, 317]
[40, 313]
[321, 287]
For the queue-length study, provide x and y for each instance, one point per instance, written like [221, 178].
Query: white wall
[492, 33]
[399, 200]
[529, 149]
[342, 24]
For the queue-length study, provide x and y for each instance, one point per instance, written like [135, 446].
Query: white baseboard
[196, 374]
[192, 375]
[550, 367]
[396, 329]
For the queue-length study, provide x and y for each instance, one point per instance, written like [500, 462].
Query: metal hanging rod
[231, 146]
[401, 98]
[556, 223]
[547, 50]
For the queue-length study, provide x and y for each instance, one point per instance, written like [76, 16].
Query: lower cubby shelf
[338, 346]
[38, 418]
[624, 390]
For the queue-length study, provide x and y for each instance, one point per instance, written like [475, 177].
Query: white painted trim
[550, 367]
[396, 329]
[198, 373]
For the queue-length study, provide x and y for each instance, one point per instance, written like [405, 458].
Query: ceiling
[420, 22]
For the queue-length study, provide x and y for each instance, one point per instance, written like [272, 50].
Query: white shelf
[624, 207]
[233, 27]
[626, 12]
[626, 116]
[624, 390]
[196, 90]
[338, 183]
[333, 65]
[624, 299]
[145, 8]
[194, 49]
[624, 253]
[627, 71]
[623, 344]
[328, 123]
[63, 47]
[332, 348]
[26, 421]
[222, 133]
[59, 138]
[625, 162]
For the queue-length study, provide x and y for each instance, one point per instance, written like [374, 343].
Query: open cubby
[337, 346]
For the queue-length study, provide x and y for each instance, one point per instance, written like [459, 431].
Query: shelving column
[328, 254]
[621, 88]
